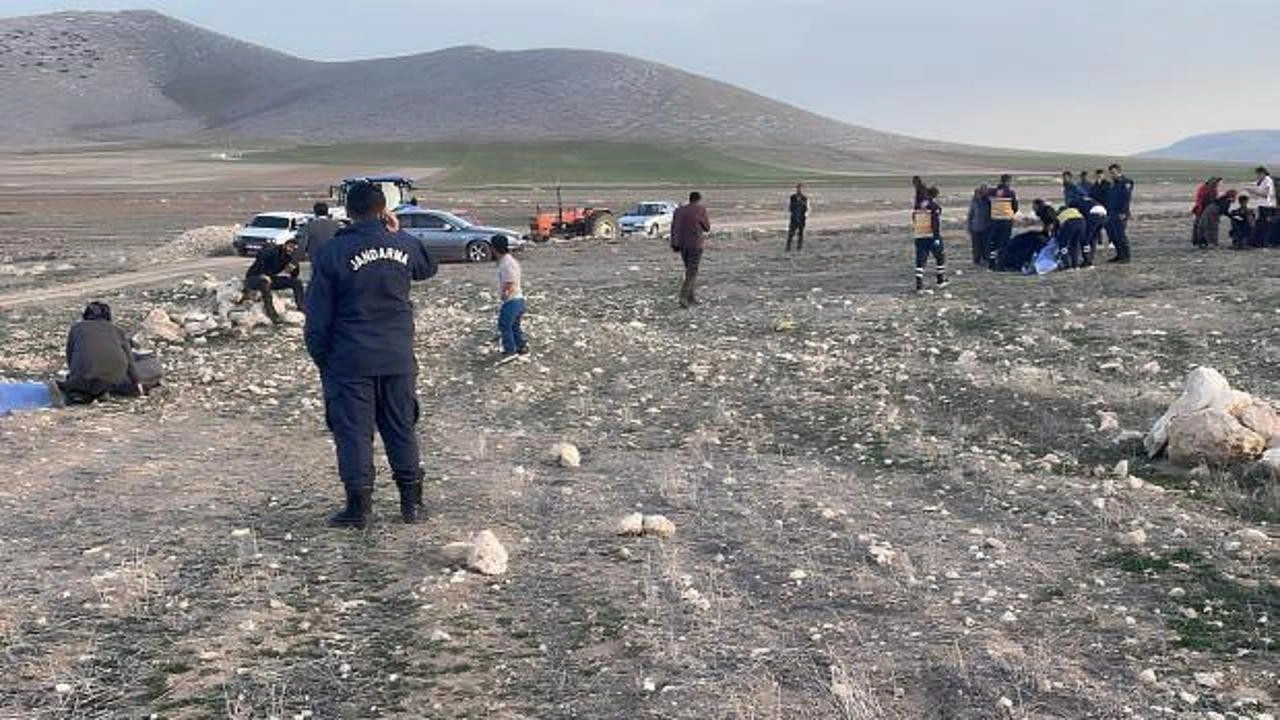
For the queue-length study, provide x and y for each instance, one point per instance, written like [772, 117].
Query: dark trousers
[979, 240]
[1118, 232]
[997, 237]
[924, 248]
[509, 318]
[356, 406]
[796, 230]
[265, 285]
[1267, 229]
[692, 258]
[83, 391]
[1071, 242]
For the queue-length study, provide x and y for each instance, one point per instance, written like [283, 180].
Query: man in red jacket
[689, 229]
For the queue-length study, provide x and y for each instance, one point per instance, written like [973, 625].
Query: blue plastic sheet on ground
[1047, 259]
[16, 396]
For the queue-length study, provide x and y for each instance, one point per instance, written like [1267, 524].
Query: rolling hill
[1244, 146]
[140, 75]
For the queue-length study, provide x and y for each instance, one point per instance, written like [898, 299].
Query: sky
[1097, 76]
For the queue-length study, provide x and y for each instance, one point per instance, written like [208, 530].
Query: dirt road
[163, 275]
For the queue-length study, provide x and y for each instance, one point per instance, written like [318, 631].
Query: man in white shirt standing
[511, 293]
[1267, 230]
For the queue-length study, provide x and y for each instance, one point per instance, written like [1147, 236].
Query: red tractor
[571, 223]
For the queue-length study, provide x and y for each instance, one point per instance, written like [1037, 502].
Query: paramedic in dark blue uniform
[360, 332]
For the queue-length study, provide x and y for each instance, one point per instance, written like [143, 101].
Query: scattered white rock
[566, 455]
[967, 358]
[486, 555]
[632, 524]
[798, 574]
[1148, 676]
[456, 553]
[659, 525]
[1133, 538]
[1208, 679]
[1121, 469]
[157, 326]
[1107, 422]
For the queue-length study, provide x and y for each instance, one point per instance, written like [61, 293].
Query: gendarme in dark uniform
[360, 334]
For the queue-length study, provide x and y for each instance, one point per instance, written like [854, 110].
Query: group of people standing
[1253, 225]
[1088, 207]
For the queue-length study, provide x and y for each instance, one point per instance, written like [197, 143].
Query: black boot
[356, 514]
[412, 511]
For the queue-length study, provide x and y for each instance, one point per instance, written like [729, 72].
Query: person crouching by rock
[275, 269]
[511, 294]
[1243, 219]
[99, 359]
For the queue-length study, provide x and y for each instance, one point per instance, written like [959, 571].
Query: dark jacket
[271, 261]
[689, 227]
[359, 311]
[315, 235]
[1119, 196]
[799, 207]
[979, 215]
[1098, 191]
[1048, 218]
[99, 358]
[1073, 193]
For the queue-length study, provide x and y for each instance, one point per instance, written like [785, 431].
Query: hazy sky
[1111, 76]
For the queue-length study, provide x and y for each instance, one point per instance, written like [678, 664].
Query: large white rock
[250, 318]
[1212, 437]
[1204, 388]
[227, 295]
[1260, 417]
[486, 555]
[157, 325]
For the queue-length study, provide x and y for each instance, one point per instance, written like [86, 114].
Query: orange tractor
[571, 223]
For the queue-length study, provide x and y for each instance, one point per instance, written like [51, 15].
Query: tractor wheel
[603, 226]
[478, 252]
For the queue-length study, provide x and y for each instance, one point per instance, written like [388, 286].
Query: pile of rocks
[1212, 424]
[209, 241]
[209, 308]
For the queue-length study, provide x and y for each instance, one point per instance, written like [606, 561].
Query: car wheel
[478, 252]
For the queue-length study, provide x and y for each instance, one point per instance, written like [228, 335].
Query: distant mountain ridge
[1243, 146]
[140, 75]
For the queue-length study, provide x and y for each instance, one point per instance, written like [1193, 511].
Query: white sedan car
[272, 228]
[652, 218]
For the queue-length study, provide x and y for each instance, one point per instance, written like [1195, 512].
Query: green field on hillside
[520, 164]
[544, 163]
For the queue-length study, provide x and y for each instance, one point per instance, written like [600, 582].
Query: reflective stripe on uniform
[1069, 214]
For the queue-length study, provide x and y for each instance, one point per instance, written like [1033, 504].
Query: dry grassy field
[887, 505]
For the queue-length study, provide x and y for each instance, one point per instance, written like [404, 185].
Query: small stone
[1151, 368]
[1107, 422]
[995, 544]
[1188, 698]
[1148, 676]
[1133, 538]
[241, 532]
[1209, 680]
[1121, 469]
[968, 357]
[62, 688]
[659, 525]
[632, 524]
[1252, 538]
[1177, 592]
[566, 455]
[1005, 703]
[650, 685]
[440, 636]
[799, 574]
[486, 555]
[1008, 617]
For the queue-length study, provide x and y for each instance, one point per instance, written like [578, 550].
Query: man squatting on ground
[99, 359]
[927, 224]
[689, 230]
[1004, 208]
[511, 294]
[799, 215]
[275, 268]
[360, 334]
